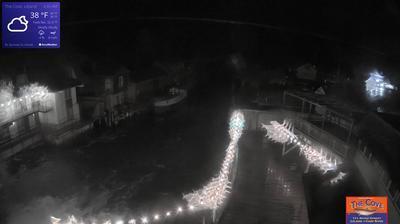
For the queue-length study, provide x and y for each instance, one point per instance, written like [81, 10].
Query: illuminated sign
[31, 24]
[362, 210]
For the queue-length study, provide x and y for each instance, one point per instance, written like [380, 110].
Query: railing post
[388, 184]
[350, 131]
[324, 118]
[284, 98]
[307, 168]
[283, 149]
[214, 215]
[396, 195]
[382, 174]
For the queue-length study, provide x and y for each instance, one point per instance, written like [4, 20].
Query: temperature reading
[36, 15]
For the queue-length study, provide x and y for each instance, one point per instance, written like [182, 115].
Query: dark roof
[332, 103]
[54, 71]
[109, 69]
[56, 76]
[147, 74]
[54, 80]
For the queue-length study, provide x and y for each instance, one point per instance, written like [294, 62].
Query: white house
[64, 108]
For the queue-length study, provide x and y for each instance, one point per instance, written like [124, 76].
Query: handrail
[23, 113]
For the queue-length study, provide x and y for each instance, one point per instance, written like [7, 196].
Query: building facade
[104, 97]
[31, 112]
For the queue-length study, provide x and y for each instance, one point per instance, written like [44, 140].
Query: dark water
[143, 166]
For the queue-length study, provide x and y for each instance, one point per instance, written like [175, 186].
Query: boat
[174, 97]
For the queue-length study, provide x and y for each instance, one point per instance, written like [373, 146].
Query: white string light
[29, 94]
[338, 178]
[283, 133]
[144, 220]
[211, 196]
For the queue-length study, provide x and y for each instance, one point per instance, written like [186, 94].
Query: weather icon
[18, 24]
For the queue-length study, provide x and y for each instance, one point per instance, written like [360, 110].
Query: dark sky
[369, 24]
[347, 20]
[318, 31]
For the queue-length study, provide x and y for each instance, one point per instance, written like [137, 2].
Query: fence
[364, 156]
[316, 110]
[313, 110]
[321, 136]
[254, 119]
[12, 114]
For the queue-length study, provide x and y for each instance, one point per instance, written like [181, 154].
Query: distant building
[104, 97]
[377, 85]
[145, 84]
[307, 72]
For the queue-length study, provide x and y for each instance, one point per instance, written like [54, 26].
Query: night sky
[322, 32]
[146, 162]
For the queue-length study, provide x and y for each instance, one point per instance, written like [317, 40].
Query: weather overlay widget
[31, 24]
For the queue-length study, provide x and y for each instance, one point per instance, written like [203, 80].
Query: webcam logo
[18, 25]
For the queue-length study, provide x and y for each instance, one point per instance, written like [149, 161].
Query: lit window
[121, 81]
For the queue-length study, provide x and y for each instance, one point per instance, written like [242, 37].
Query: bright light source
[377, 85]
[144, 220]
[213, 194]
[314, 154]
[119, 222]
[338, 178]
[54, 220]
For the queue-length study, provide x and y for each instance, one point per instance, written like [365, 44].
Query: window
[108, 85]
[70, 109]
[117, 100]
[68, 94]
[121, 81]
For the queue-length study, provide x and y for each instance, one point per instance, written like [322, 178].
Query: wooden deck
[268, 187]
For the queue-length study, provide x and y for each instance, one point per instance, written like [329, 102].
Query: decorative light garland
[157, 217]
[33, 92]
[283, 133]
[211, 196]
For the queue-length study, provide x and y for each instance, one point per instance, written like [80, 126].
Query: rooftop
[147, 74]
